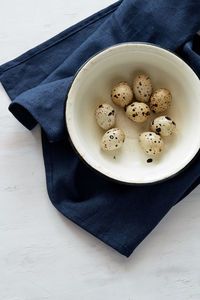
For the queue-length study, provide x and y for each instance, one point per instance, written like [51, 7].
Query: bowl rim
[96, 170]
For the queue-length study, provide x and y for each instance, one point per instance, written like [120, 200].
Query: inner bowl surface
[92, 86]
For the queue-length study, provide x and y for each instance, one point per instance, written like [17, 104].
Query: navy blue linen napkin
[37, 83]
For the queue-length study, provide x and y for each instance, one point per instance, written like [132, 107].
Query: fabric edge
[49, 184]
[22, 115]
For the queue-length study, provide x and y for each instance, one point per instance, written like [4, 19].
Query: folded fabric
[37, 83]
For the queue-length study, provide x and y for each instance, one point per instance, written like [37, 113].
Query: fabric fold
[44, 104]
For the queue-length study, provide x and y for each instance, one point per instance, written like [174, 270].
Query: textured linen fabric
[37, 83]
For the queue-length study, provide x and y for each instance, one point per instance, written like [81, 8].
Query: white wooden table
[43, 255]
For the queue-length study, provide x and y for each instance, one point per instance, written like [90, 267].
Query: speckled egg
[105, 116]
[113, 139]
[138, 112]
[151, 143]
[163, 125]
[160, 100]
[142, 88]
[122, 94]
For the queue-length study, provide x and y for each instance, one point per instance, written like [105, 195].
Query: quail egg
[122, 94]
[113, 139]
[160, 100]
[142, 88]
[105, 116]
[163, 125]
[151, 143]
[138, 112]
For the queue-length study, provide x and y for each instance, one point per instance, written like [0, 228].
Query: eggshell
[105, 116]
[138, 112]
[151, 143]
[122, 94]
[113, 139]
[160, 100]
[163, 125]
[142, 88]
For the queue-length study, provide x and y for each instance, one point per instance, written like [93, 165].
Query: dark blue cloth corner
[37, 83]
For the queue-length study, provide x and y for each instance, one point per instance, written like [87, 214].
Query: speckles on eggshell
[149, 160]
[158, 130]
[142, 87]
[151, 143]
[105, 116]
[164, 125]
[122, 94]
[138, 112]
[160, 100]
[113, 138]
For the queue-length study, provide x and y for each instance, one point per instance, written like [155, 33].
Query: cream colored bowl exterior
[92, 86]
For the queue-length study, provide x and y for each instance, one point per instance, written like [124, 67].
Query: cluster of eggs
[134, 101]
[114, 137]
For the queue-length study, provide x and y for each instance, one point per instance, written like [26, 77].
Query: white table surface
[43, 255]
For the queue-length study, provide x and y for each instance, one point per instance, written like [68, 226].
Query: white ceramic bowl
[92, 85]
